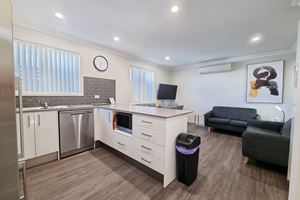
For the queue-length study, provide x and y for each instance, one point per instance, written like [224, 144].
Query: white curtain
[46, 70]
[142, 85]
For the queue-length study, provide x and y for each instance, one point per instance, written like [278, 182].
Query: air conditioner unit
[215, 69]
[295, 3]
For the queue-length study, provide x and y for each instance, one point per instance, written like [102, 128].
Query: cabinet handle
[146, 147]
[121, 144]
[81, 113]
[146, 122]
[147, 135]
[146, 160]
[39, 120]
[109, 117]
[28, 121]
[19, 86]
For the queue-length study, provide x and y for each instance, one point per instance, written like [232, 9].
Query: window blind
[45, 69]
[142, 85]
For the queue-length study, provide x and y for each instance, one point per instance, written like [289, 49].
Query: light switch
[97, 96]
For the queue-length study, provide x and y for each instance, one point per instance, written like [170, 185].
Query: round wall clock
[100, 63]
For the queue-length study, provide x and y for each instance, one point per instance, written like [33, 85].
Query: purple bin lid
[186, 151]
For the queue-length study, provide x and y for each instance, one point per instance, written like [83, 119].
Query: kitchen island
[151, 141]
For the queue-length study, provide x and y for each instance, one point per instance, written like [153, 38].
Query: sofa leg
[246, 159]
[209, 129]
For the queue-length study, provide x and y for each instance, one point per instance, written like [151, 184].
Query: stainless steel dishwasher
[76, 131]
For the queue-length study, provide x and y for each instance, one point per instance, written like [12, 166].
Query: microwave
[124, 122]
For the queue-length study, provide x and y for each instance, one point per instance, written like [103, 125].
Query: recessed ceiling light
[116, 38]
[174, 9]
[167, 58]
[59, 15]
[255, 39]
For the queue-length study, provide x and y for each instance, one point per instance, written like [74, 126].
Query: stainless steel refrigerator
[10, 162]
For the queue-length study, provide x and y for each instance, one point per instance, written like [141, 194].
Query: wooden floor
[98, 174]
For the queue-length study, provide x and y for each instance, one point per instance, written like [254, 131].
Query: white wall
[118, 65]
[197, 92]
[295, 150]
[201, 92]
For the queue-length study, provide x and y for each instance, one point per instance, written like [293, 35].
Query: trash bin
[187, 153]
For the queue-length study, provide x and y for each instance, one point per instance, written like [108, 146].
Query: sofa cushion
[235, 113]
[219, 120]
[238, 123]
[251, 129]
[286, 128]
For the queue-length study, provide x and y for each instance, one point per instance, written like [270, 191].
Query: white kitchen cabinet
[151, 123]
[29, 135]
[149, 135]
[106, 132]
[153, 139]
[122, 142]
[150, 161]
[46, 132]
[149, 148]
[40, 133]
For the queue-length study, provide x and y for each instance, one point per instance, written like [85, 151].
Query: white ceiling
[202, 30]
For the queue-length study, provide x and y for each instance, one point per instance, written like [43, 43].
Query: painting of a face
[265, 82]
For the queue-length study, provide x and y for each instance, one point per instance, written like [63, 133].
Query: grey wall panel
[92, 86]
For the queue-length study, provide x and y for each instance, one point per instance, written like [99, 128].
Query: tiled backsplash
[92, 86]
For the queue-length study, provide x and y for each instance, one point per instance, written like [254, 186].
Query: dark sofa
[267, 141]
[229, 118]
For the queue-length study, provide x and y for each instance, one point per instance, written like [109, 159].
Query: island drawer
[153, 123]
[122, 143]
[149, 135]
[150, 161]
[149, 148]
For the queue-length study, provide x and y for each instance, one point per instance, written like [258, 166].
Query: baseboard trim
[33, 162]
[154, 174]
[76, 151]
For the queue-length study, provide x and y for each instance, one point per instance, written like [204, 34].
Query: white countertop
[62, 107]
[152, 111]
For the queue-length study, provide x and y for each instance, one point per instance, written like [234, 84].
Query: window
[142, 85]
[45, 70]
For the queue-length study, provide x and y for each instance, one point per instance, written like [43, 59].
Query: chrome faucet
[44, 104]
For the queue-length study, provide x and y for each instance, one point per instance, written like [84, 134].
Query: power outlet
[97, 96]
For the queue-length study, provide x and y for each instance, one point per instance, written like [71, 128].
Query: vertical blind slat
[57, 71]
[40, 83]
[45, 70]
[62, 81]
[76, 72]
[28, 68]
[67, 72]
[49, 64]
[71, 72]
[34, 67]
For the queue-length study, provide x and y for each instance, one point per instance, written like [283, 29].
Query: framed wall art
[265, 82]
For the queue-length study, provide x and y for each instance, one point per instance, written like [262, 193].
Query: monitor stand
[168, 104]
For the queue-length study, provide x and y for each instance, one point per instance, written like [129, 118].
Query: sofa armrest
[271, 148]
[207, 116]
[274, 126]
